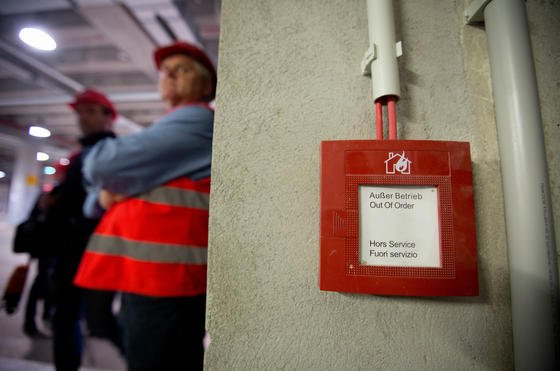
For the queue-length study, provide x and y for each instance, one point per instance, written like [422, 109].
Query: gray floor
[17, 351]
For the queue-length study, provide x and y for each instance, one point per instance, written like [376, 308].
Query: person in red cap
[64, 215]
[151, 244]
[95, 111]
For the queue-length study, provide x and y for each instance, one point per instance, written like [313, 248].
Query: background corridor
[19, 352]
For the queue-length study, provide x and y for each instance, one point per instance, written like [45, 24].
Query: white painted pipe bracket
[370, 56]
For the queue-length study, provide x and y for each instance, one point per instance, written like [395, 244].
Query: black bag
[29, 236]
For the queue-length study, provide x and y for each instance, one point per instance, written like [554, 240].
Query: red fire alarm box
[397, 218]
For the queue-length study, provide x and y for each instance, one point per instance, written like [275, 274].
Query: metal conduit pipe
[530, 230]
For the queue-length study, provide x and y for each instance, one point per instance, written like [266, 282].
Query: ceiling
[101, 44]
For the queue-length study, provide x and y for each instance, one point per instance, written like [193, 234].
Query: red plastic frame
[446, 165]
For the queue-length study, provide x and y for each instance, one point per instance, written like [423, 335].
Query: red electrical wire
[379, 119]
[390, 100]
[392, 113]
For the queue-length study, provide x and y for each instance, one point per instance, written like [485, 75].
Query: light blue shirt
[179, 144]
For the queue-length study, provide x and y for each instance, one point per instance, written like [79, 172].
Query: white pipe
[383, 52]
[530, 231]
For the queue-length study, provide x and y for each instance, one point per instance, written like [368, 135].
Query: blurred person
[34, 237]
[95, 115]
[151, 243]
[41, 290]
[31, 237]
[39, 241]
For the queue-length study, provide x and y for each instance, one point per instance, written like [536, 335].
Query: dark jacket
[65, 216]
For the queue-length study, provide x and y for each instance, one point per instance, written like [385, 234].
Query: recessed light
[38, 131]
[42, 156]
[49, 170]
[37, 38]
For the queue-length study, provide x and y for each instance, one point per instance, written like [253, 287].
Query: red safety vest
[154, 244]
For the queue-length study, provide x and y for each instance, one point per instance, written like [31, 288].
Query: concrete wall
[289, 78]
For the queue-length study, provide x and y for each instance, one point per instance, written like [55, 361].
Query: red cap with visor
[191, 50]
[93, 96]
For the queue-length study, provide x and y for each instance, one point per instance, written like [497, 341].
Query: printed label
[399, 226]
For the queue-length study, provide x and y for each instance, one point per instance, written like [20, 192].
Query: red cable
[392, 113]
[379, 120]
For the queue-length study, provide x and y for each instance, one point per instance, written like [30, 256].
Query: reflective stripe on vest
[177, 197]
[160, 253]
[154, 244]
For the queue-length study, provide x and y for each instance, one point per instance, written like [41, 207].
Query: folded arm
[178, 146]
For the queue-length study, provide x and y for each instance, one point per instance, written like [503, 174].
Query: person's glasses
[173, 72]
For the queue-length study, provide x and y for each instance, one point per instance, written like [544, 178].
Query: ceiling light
[37, 38]
[42, 156]
[39, 132]
[64, 161]
[49, 170]
[2, 174]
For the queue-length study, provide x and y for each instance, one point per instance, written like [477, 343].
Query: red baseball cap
[191, 50]
[93, 96]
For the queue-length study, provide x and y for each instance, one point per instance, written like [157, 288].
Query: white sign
[399, 226]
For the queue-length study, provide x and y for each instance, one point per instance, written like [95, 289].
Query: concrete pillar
[26, 183]
[289, 77]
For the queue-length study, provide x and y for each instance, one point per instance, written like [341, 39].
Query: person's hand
[108, 199]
